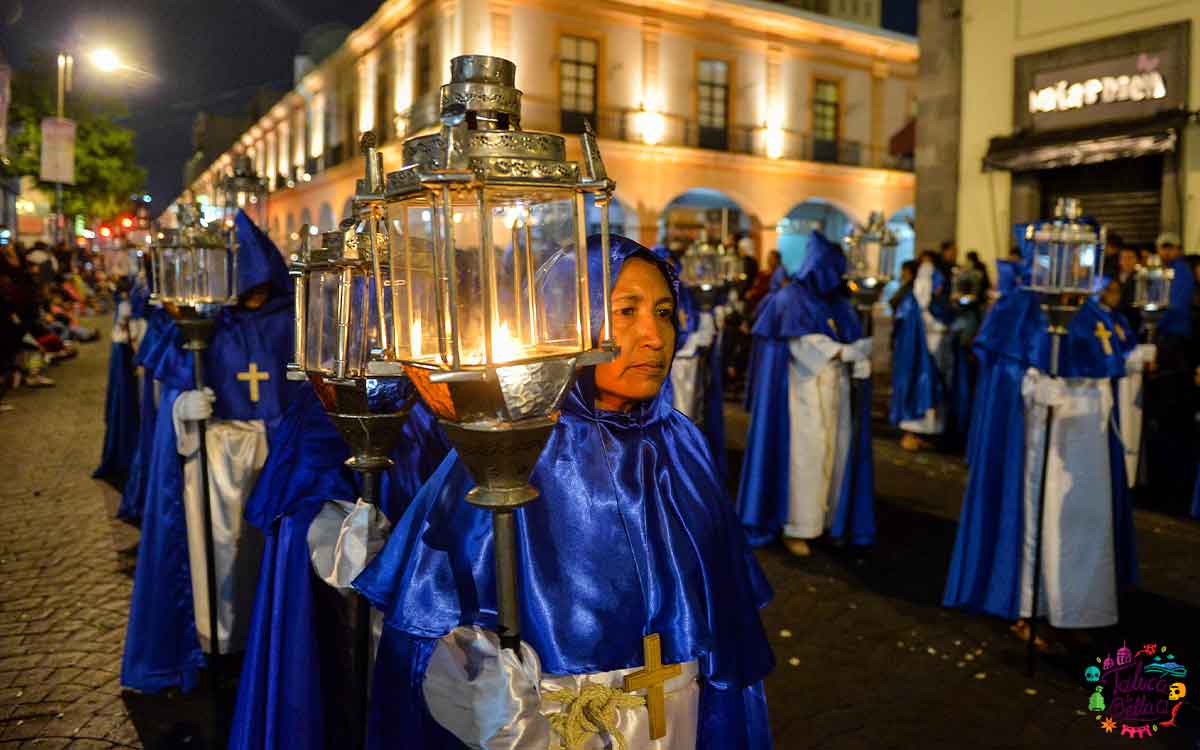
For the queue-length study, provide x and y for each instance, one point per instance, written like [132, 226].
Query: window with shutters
[577, 67]
[713, 104]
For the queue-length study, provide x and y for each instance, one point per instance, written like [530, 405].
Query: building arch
[903, 223]
[813, 214]
[703, 209]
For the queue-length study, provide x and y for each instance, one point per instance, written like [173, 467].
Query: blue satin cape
[805, 306]
[917, 384]
[632, 535]
[156, 342]
[985, 568]
[120, 416]
[281, 703]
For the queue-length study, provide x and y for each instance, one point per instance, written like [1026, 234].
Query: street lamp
[870, 260]
[105, 59]
[1066, 252]
[488, 281]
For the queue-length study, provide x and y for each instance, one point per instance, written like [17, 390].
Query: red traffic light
[126, 222]
[105, 232]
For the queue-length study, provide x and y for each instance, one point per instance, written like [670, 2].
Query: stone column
[939, 107]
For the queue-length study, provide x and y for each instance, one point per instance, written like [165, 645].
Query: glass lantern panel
[457, 230]
[410, 283]
[213, 274]
[533, 235]
[363, 334]
[322, 317]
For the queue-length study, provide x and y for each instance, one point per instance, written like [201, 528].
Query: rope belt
[590, 711]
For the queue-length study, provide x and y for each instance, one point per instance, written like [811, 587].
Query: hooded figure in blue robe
[288, 696]
[121, 399]
[247, 390]
[1129, 388]
[1087, 524]
[922, 357]
[807, 468]
[632, 536]
[156, 342]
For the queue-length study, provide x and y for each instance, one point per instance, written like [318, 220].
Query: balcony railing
[637, 126]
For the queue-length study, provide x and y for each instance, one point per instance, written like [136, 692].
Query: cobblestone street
[866, 656]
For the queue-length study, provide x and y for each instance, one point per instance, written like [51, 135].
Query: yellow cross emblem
[1104, 335]
[651, 679]
[252, 375]
[832, 326]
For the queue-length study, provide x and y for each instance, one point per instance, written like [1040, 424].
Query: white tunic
[687, 374]
[940, 348]
[237, 450]
[1079, 582]
[681, 707]
[1130, 395]
[819, 416]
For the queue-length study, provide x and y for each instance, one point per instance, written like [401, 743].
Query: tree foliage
[106, 172]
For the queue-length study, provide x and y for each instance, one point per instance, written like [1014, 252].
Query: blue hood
[259, 261]
[823, 267]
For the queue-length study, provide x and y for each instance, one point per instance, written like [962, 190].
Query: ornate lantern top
[1066, 253]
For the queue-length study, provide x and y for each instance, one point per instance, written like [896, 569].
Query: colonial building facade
[782, 117]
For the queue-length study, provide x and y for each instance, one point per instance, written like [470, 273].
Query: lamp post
[1065, 253]
[870, 260]
[338, 331]
[488, 280]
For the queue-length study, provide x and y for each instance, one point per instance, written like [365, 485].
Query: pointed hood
[259, 260]
[823, 267]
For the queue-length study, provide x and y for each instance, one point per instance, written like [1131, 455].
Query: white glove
[483, 694]
[858, 355]
[1142, 355]
[193, 406]
[1043, 389]
[343, 538]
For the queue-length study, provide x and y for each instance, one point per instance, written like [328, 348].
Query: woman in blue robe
[632, 535]
[808, 320]
[922, 358]
[990, 571]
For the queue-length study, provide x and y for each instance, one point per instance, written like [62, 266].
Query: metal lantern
[707, 271]
[243, 189]
[337, 318]
[1152, 291]
[194, 268]
[870, 262]
[1066, 253]
[488, 285]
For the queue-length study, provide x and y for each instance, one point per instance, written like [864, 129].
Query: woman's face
[642, 323]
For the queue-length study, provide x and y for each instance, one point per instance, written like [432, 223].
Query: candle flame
[505, 347]
[414, 341]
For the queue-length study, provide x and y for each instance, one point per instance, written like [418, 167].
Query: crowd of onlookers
[44, 291]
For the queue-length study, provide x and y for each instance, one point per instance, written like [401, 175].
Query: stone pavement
[66, 568]
[866, 656]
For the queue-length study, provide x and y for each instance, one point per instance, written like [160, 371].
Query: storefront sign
[1130, 86]
[1141, 83]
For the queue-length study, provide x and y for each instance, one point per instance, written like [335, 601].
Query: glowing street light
[106, 59]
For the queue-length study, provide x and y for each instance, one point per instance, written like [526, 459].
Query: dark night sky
[199, 55]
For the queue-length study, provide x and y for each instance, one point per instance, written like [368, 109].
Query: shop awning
[1086, 145]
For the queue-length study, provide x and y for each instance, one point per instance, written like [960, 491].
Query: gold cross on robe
[832, 326]
[252, 375]
[1104, 335]
[651, 679]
